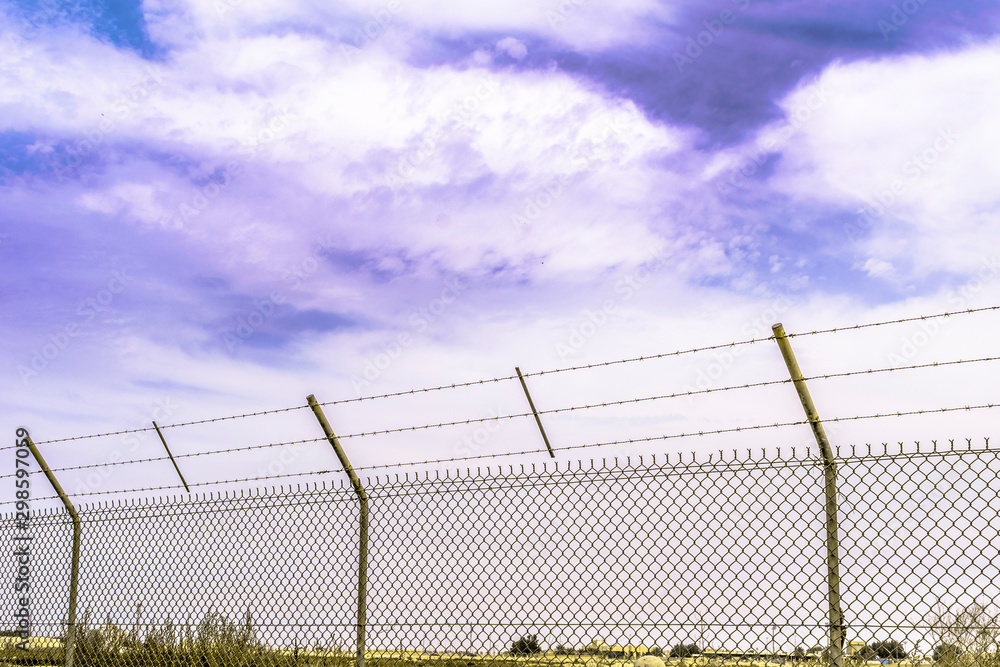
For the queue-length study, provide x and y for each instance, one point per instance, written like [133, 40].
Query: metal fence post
[538, 420]
[172, 459]
[74, 576]
[830, 473]
[363, 538]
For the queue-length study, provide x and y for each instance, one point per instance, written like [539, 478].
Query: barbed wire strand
[154, 459]
[679, 435]
[626, 441]
[540, 412]
[288, 409]
[534, 373]
[694, 392]
[166, 426]
[901, 320]
[167, 487]
[414, 428]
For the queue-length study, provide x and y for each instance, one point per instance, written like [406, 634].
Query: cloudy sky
[218, 207]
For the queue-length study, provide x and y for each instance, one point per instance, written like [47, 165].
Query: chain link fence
[582, 564]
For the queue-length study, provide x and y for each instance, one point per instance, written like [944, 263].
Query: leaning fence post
[830, 473]
[74, 576]
[538, 420]
[363, 540]
[172, 459]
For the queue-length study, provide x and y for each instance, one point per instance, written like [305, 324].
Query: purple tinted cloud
[721, 66]
[464, 191]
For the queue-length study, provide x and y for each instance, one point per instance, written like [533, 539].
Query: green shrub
[947, 654]
[526, 645]
[684, 651]
[890, 649]
[214, 642]
[866, 652]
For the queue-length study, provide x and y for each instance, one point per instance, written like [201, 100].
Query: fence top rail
[552, 472]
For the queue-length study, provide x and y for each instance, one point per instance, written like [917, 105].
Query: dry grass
[218, 642]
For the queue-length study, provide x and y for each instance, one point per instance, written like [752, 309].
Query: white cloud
[515, 48]
[584, 24]
[64, 81]
[348, 127]
[579, 24]
[915, 137]
[875, 268]
[140, 198]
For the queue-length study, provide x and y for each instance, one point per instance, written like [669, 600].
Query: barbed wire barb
[535, 374]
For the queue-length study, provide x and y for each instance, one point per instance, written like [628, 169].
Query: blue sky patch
[119, 22]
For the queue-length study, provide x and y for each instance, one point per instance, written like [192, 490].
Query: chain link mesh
[582, 565]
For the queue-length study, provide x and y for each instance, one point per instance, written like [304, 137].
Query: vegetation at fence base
[218, 642]
[214, 642]
[41, 651]
[684, 651]
[947, 654]
[526, 645]
[888, 649]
